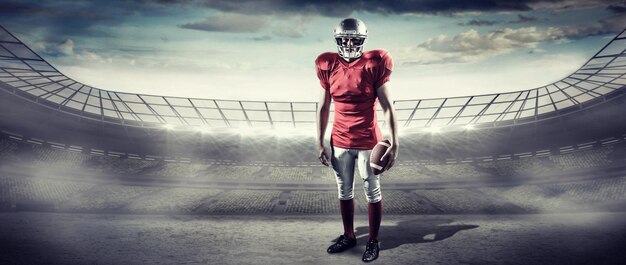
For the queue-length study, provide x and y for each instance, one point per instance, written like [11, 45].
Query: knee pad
[372, 190]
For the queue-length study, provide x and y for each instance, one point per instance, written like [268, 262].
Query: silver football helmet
[350, 36]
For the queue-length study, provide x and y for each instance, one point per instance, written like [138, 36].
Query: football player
[355, 79]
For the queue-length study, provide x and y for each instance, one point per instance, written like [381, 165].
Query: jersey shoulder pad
[325, 60]
[376, 54]
[378, 57]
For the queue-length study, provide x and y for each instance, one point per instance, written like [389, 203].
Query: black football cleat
[342, 244]
[371, 251]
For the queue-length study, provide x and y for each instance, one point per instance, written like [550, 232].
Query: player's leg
[342, 161]
[371, 187]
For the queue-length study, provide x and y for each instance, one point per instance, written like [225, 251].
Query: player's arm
[323, 111]
[389, 112]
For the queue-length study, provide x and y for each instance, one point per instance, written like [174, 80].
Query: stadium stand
[598, 190]
[531, 166]
[328, 173]
[172, 200]
[53, 194]
[109, 197]
[289, 174]
[234, 172]
[18, 189]
[243, 202]
[313, 202]
[466, 201]
[584, 159]
[409, 173]
[178, 170]
[118, 165]
[532, 198]
[58, 159]
[457, 170]
[401, 202]
[8, 150]
[78, 163]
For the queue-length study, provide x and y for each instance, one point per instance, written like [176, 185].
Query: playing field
[75, 238]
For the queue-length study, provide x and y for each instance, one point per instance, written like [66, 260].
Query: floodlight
[433, 129]
[469, 127]
[204, 129]
[246, 131]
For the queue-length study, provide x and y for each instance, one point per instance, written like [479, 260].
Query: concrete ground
[71, 238]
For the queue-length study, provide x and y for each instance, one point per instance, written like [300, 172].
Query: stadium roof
[26, 74]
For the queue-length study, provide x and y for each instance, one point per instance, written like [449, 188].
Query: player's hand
[322, 154]
[392, 152]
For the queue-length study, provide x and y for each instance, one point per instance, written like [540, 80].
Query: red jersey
[353, 88]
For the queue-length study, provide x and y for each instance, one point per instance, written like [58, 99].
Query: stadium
[96, 176]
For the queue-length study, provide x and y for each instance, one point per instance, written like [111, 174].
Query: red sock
[347, 215]
[375, 214]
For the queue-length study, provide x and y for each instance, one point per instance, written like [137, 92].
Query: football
[378, 152]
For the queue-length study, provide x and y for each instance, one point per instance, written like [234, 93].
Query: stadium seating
[465, 201]
[172, 200]
[243, 202]
[16, 189]
[408, 173]
[110, 197]
[457, 170]
[46, 157]
[400, 202]
[289, 174]
[178, 170]
[584, 159]
[241, 195]
[8, 151]
[58, 159]
[531, 166]
[313, 202]
[234, 172]
[116, 165]
[89, 196]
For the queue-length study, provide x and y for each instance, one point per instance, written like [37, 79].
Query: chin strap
[350, 55]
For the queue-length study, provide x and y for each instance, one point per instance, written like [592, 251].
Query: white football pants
[343, 162]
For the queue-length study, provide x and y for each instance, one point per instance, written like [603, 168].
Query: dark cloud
[480, 22]
[617, 9]
[231, 22]
[333, 8]
[524, 19]
[24, 8]
[56, 21]
[289, 27]
[607, 26]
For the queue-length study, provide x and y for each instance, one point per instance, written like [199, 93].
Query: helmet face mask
[352, 41]
[350, 37]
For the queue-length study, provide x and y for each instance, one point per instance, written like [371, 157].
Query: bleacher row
[70, 161]
[17, 192]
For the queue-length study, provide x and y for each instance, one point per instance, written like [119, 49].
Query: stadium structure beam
[21, 69]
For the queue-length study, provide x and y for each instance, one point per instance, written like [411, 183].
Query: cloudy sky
[264, 49]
